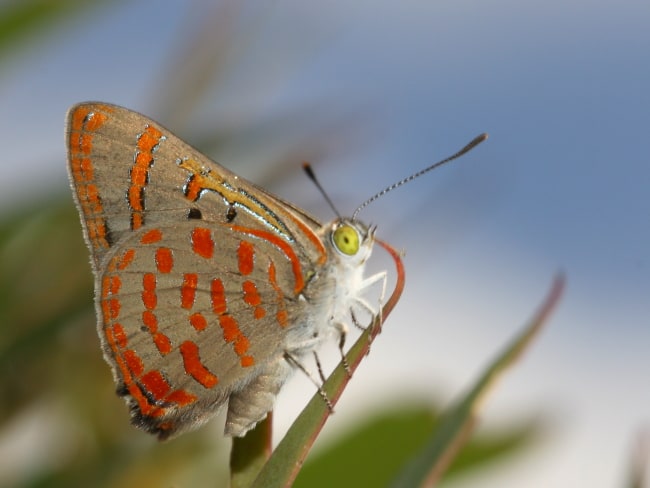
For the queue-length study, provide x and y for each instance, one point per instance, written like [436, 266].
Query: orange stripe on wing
[232, 333]
[313, 237]
[149, 297]
[129, 364]
[83, 123]
[281, 316]
[218, 296]
[253, 298]
[281, 244]
[194, 367]
[139, 173]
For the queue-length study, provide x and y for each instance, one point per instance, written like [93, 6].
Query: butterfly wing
[198, 272]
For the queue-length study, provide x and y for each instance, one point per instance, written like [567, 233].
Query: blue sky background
[372, 92]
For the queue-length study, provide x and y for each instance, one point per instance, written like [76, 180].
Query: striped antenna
[474, 142]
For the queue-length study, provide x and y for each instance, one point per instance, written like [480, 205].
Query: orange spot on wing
[113, 308]
[150, 321]
[284, 246]
[197, 320]
[77, 119]
[137, 220]
[82, 169]
[139, 174]
[95, 121]
[281, 315]
[188, 290]
[127, 258]
[241, 344]
[119, 335]
[111, 285]
[135, 200]
[180, 397]
[251, 296]
[149, 138]
[247, 361]
[133, 362]
[155, 384]
[218, 297]
[194, 367]
[92, 198]
[192, 188]
[232, 333]
[149, 298]
[246, 257]
[85, 143]
[151, 236]
[230, 327]
[86, 168]
[115, 284]
[162, 342]
[164, 259]
[202, 242]
[142, 162]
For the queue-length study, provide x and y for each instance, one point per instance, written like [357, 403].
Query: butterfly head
[351, 240]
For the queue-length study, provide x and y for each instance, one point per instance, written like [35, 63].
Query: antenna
[312, 176]
[474, 142]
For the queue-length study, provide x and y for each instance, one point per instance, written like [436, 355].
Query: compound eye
[346, 240]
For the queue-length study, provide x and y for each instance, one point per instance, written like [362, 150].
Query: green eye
[346, 240]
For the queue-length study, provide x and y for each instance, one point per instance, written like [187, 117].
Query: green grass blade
[428, 467]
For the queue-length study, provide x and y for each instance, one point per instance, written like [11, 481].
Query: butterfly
[208, 288]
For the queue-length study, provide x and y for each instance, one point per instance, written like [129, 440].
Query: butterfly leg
[249, 405]
[293, 361]
[342, 330]
[319, 367]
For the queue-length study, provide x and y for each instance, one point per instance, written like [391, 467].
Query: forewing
[128, 172]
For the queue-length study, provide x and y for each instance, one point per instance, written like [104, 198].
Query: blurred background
[368, 92]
